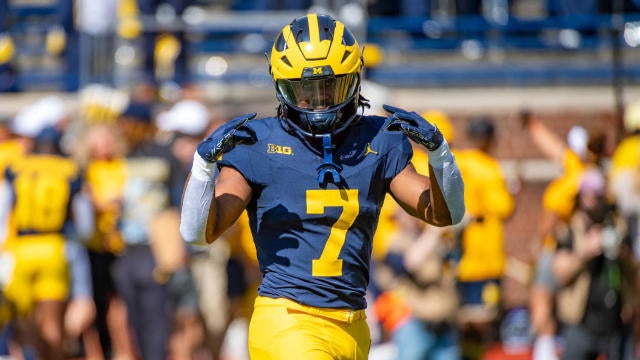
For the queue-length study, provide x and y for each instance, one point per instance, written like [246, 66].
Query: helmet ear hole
[345, 56]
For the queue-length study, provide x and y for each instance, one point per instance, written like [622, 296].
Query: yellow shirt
[106, 179]
[559, 196]
[625, 156]
[488, 203]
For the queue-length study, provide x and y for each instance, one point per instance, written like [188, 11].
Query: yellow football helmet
[316, 65]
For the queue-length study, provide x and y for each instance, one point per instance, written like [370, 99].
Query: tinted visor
[318, 93]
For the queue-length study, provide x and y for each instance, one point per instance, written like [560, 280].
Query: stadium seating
[419, 51]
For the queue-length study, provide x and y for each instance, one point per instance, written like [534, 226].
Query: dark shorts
[182, 291]
[483, 292]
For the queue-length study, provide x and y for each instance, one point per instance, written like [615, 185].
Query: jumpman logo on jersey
[370, 150]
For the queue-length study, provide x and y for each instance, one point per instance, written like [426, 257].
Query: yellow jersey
[106, 180]
[43, 186]
[488, 203]
[625, 156]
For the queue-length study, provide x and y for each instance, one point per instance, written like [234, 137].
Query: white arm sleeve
[196, 201]
[449, 179]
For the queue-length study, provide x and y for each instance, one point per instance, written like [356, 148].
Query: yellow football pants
[283, 329]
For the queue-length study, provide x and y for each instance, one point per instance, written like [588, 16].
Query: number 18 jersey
[43, 186]
[314, 241]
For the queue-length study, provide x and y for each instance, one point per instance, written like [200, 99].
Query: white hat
[186, 116]
[31, 119]
[577, 139]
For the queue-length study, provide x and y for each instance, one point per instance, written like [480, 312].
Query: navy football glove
[226, 137]
[414, 126]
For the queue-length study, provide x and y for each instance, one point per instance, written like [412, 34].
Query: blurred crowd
[439, 293]
[73, 43]
[92, 264]
[100, 187]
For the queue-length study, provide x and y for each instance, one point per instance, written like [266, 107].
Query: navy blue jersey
[314, 242]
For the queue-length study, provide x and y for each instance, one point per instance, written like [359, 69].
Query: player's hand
[414, 126]
[226, 137]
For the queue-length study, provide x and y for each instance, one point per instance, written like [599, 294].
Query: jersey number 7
[329, 264]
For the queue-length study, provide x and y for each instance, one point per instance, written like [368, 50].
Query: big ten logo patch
[279, 149]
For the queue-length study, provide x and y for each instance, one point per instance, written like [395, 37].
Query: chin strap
[328, 167]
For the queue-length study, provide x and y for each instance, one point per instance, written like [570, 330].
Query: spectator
[181, 128]
[418, 306]
[597, 274]
[578, 153]
[8, 81]
[262, 5]
[146, 194]
[223, 272]
[102, 152]
[152, 273]
[165, 50]
[83, 35]
[482, 261]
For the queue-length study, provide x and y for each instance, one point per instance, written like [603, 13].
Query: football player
[313, 179]
[43, 207]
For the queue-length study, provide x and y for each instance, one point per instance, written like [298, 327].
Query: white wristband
[202, 169]
[440, 156]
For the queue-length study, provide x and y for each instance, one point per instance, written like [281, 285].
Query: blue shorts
[482, 292]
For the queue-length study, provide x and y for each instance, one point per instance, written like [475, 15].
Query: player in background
[482, 261]
[43, 204]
